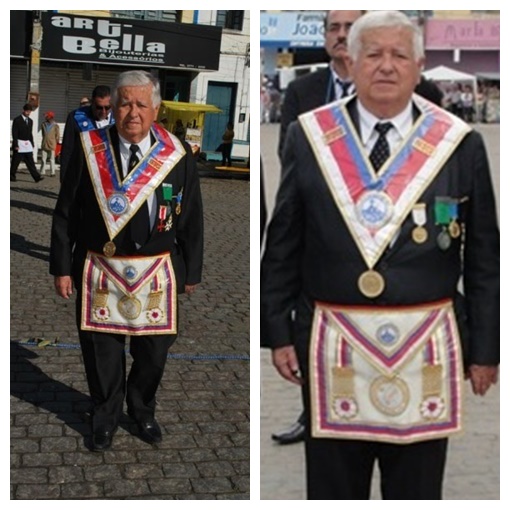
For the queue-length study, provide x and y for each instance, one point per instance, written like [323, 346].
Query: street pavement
[472, 471]
[202, 404]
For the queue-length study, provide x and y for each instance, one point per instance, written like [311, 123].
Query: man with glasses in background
[96, 114]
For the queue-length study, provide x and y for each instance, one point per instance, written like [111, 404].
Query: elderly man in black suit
[128, 233]
[23, 144]
[315, 89]
[385, 206]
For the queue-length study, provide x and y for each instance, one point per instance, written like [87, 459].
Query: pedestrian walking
[226, 146]
[23, 144]
[50, 138]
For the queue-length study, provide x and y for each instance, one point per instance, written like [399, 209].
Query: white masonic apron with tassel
[128, 295]
[379, 373]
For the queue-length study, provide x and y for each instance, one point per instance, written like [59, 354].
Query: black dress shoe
[294, 434]
[150, 432]
[102, 439]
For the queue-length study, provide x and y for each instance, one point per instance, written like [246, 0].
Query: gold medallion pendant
[420, 235]
[454, 229]
[371, 283]
[390, 395]
[109, 249]
[129, 307]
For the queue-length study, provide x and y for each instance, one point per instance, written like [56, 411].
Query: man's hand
[64, 286]
[482, 377]
[189, 289]
[285, 361]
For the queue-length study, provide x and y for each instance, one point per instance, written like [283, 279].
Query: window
[172, 16]
[230, 19]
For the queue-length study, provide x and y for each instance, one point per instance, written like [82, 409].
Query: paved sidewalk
[472, 471]
[203, 402]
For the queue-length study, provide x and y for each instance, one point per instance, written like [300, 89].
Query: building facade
[466, 41]
[198, 56]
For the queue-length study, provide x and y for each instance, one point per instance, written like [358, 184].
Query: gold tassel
[154, 299]
[100, 298]
[432, 380]
[343, 381]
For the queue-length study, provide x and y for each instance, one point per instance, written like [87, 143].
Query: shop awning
[488, 76]
[190, 107]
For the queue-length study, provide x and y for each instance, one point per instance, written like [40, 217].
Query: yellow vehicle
[192, 116]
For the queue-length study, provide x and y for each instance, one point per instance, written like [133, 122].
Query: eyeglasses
[336, 27]
[105, 108]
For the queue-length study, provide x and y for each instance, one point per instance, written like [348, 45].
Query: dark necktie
[139, 223]
[345, 86]
[381, 151]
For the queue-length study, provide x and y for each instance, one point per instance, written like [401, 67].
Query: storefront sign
[130, 42]
[292, 29]
[21, 33]
[462, 34]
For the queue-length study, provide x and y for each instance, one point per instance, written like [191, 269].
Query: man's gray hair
[383, 19]
[137, 79]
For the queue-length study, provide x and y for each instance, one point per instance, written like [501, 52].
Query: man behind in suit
[90, 115]
[23, 144]
[385, 204]
[128, 233]
[315, 89]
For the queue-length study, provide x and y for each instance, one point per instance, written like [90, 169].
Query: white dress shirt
[125, 154]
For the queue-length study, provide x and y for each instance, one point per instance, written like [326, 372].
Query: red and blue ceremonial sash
[374, 205]
[118, 198]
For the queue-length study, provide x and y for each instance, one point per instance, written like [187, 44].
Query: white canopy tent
[446, 74]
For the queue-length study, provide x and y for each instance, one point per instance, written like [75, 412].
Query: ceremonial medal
[167, 192]
[109, 249]
[420, 235]
[371, 283]
[162, 216]
[390, 395]
[118, 203]
[130, 272]
[419, 213]
[387, 334]
[454, 229]
[374, 209]
[129, 307]
[444, 240]
[179, 200]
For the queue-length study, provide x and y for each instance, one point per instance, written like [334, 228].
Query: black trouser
[342, 469]
[226, 154]
[28, 159]
[105, 365]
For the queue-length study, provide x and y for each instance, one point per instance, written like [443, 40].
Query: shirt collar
[402, 122]
[336, 76]
[144, 146]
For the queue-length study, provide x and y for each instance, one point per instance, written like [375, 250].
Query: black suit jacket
[78, 224]
[21, 131]
[311, 256]
[71, 138]
[302, 95]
